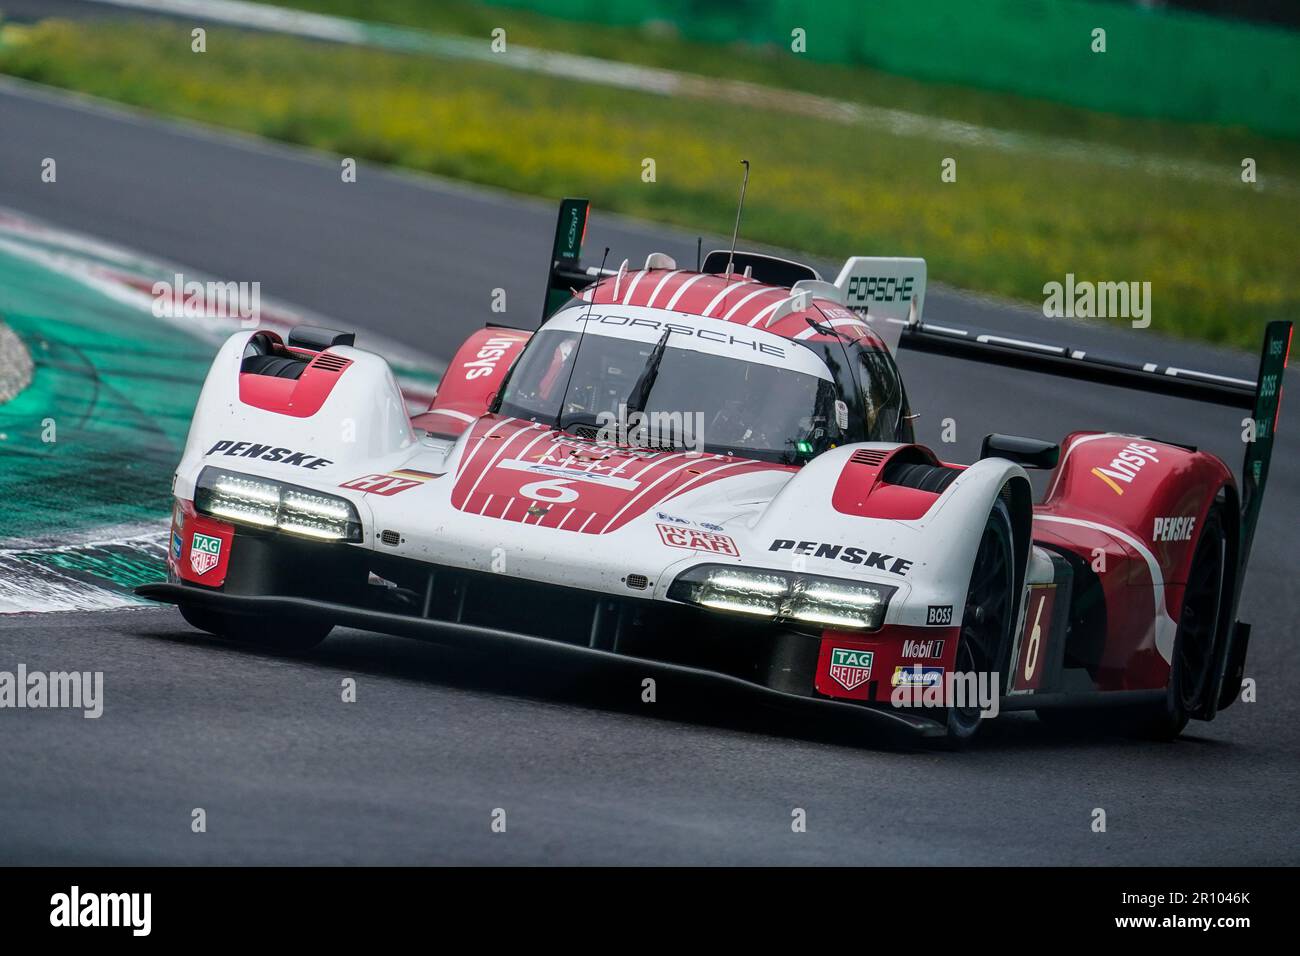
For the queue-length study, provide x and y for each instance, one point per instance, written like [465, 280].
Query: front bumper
[348, 586]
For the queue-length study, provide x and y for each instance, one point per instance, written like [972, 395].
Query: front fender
[927, 555]
[358, 426]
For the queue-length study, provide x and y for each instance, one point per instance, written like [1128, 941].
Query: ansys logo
[1126, 465]
[205, 552]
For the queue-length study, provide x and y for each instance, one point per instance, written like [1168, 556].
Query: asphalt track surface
[437, 739]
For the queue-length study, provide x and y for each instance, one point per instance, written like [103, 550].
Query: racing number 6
[556, 491]
[1035, 638]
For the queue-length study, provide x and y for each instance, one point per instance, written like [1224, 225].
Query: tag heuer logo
[205, 552]
[849, 668]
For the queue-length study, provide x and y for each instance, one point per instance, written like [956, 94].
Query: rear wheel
[987, 620]
[1196, 643]
[276, 633]
[1191, 671]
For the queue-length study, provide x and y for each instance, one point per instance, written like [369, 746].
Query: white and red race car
[715, 470]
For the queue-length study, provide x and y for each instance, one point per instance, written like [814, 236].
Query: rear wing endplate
[888, 292]
[1268, 406]
[566, 273]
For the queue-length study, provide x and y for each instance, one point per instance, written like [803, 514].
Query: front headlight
[264, 503]
[784, 596]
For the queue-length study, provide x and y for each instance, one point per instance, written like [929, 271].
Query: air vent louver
[330, 362]
[869, 456]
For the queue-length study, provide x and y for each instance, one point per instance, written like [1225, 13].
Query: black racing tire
[984, 645]
[1201, 625]
[273, 633]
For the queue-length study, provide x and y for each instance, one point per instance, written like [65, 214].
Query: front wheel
[984, 645]
[274, 633]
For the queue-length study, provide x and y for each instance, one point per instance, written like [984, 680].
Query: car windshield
[688, 399]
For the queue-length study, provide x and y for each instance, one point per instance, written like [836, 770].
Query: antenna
[736, 230]
[559, 415]
[699, 249]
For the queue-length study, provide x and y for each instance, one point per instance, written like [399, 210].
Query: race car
[715, 470]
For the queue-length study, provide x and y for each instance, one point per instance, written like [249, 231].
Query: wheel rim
[1200, 619]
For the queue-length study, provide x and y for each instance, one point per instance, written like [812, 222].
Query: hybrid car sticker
[676, 537]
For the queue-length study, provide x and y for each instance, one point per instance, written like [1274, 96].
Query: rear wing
[1262, 397]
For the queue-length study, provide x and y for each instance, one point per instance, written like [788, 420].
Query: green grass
[1220, 258]
[775, 65]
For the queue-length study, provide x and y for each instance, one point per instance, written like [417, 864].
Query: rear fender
[1149, 500]
[1156, 493]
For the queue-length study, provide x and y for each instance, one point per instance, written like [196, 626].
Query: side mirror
[1027, 452]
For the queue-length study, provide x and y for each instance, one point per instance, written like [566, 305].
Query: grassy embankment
[1220, 256]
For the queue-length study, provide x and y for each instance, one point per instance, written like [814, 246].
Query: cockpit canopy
[671, 382]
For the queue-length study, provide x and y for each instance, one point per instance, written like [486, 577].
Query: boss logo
[939, 614]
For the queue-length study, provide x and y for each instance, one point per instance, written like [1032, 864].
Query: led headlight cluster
[245, 499]
[784, 596]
